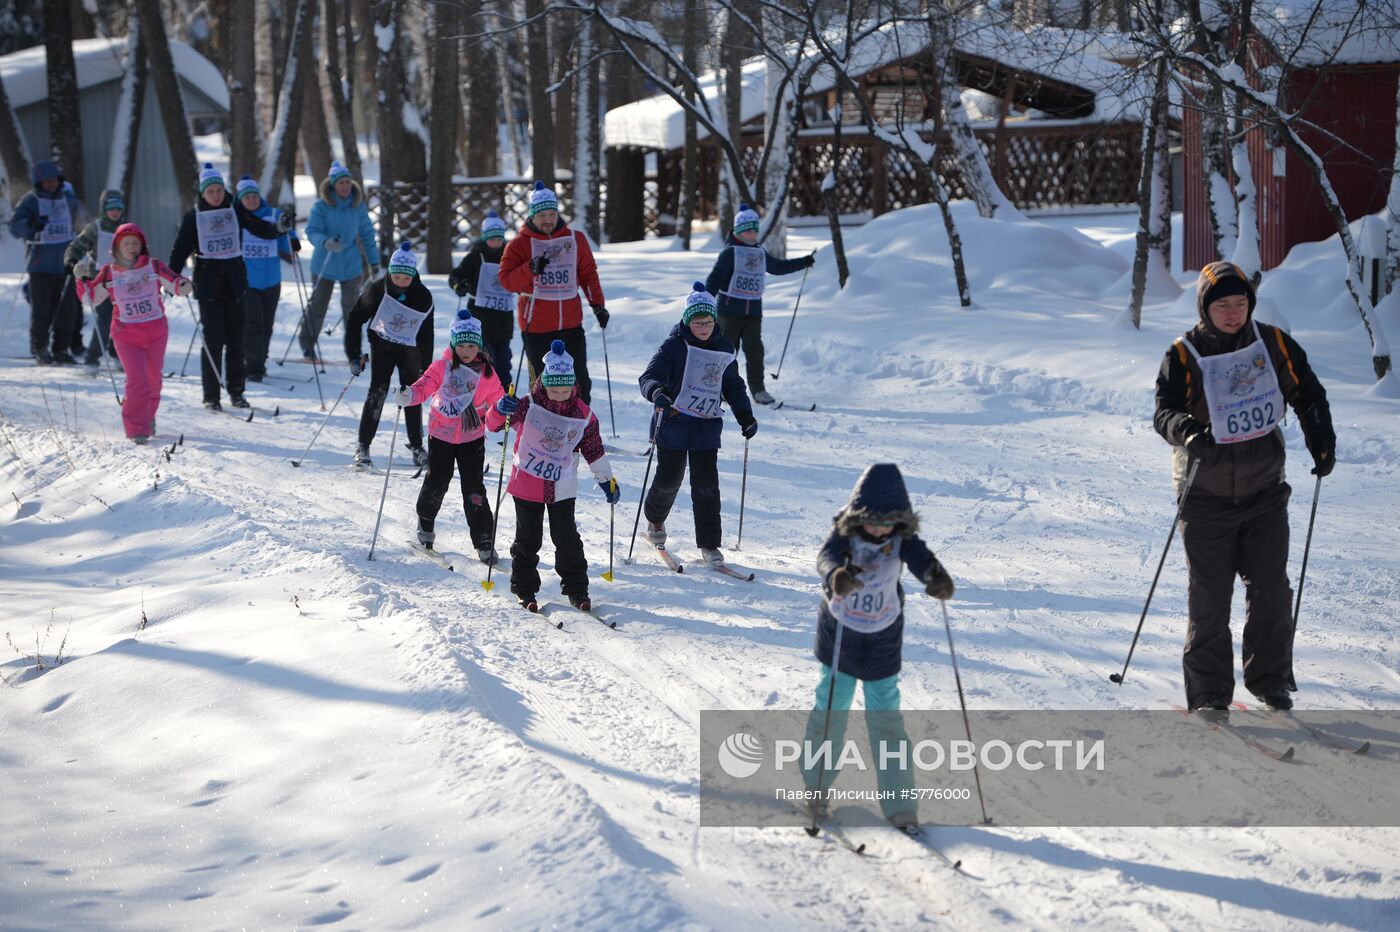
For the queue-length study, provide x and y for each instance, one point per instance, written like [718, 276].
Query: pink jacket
[450, 428]
[104, 277]
[534, 489]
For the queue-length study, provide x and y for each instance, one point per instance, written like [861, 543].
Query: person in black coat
[212, 231]
[399, 311]
[487, 299]
[692, 372]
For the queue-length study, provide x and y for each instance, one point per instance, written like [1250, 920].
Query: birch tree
[127, 123]
[280, 157]
[588, 214]
[168, 96]
[12, 149]
[335, 16]
[446, 116]
[389, 114]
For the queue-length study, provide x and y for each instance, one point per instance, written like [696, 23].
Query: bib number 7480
[542, 468]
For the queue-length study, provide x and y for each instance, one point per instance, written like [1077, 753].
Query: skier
[692, 372]
[90, 250]
[263, 259]
[1220, 396]
[339, 229]
[554, 426]
[44, 219]
[463, 385]
[552, 262]
[211, 231]
[399, 310]
[873, 539]
[132, 280]
[477, 275]
[737, 279]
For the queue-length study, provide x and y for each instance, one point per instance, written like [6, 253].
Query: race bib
[397, 322]
[136, 295]
[876, 605]
[547, 442]
[1242, 392]
[457, 390]
[104, 248]
[559, 280]
[59, 229]
[255, 247]
[218, 233]
[702, 381]
[490, 294]
[750, 265]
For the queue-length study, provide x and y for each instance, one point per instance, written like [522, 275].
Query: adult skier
[45, 219]
[344, 242]
[263, 259]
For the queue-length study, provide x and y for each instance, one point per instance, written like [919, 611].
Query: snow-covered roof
[1340, 32]
[98, 61]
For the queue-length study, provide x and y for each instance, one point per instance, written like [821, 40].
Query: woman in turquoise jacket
[345, 243]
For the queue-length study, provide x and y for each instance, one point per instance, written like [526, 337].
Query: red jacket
[548, 316]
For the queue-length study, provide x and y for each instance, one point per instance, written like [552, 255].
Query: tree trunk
[245, 155]
[13, 149]
[564, 98]
[690, 167]
[537, 55]
[65, 119]
[1219, 197]
[1147, 219]
[782, 101]
[1392, 227]
[127, 123]
[483, 93]
[315, 137]
[168, 96]
[587, 137]
[264, 66]
[830, 199]
[389, 116]
[446, 117]
[361, 63]
[508, 102]
[280, 160]
[736, 43]
[335, 84]
[1160, 239]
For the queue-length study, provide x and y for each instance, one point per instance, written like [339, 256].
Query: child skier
[478, 275]
[263, 259]
[89, 251]
[862, 616]
[133, 281]
[44, 220]
[738, 278]
[463, 385]
[399, 310]
[691, 373]
[554, 426]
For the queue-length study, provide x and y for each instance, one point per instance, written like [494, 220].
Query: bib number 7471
[704, 406]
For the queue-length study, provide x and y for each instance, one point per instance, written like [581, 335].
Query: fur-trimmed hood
[328, 195]
[879, 498]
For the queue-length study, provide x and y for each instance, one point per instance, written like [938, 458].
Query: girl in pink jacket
[554, 426]
[134, 282]
[462, 385]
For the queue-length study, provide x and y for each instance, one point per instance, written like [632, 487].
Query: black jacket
[496, 325]
[217, 278]
[416, 296]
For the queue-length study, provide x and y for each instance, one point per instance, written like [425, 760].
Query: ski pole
[607, 373]
[101, 341]
[1181, 503]
[743, 492]
[1307, 545]
[315, 367]
[967, 726]
[19, 286]
[487, 584]
[651, 452]
[791, 322]
[385, 491]
[814, 828]
[364, 360]
[612, 523]
[198, 326]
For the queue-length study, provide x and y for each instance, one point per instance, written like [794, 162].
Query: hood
[327, 195]
[129, 229]
[102, 199]
[44, 170]
[879, 498]
[1214, 274]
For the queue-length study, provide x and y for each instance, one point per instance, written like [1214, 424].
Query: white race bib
[397, 322]
[104, 249]
[457, 390]
[218, 233]
[490, 293]
[59, 229]
[559, 280]
[702, 381]
[255, 247]
[136, 295]
[1242, 391]
[750, 267]
[547, 442]
[875, 606]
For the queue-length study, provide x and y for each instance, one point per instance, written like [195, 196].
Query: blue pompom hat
[698, 302]
[542, 198]
[465, 329]
[403, 261]
[337, 172]
[246, 185]
[745, 219]
[493, 227]
[558, 366]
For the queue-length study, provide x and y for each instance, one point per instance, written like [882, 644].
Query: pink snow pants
[141, 348]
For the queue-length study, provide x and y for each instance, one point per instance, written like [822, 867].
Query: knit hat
[542, 198]
[698, 302]
[209, 175]
[337, 172]
[403, 261]
[493, 227]
[558, 366]
[746, 219]
[114, 201]
[246, 185]
[465, 329]
[1221, 280]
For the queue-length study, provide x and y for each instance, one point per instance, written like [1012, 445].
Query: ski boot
[488, 556]
[238, 401]
[420, 456]
[906, 820]
[762, 397]
[711, 557]
[581, 602]
[425, 531]
[1215, 712]
[64, 358]
[529, 603]
[213, 405]
[656, 534]
[362, 459]
[140, 440]
[1278, 702]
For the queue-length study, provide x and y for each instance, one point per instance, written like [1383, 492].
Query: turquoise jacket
[348, 219]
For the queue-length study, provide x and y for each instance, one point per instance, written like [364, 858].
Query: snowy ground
[297, 736]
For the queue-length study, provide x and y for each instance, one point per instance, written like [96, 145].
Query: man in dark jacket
[478, 276]
[737, 279]
[44, 219]
[1220, 396]
[692, 371]
[212, 231]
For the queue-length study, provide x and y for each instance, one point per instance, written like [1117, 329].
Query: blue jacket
[333, 216]
[663, 374]
[265, 273]
[46, 258]
[724, 271]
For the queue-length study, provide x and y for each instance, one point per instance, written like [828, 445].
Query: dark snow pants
[1223, 540]
[704, 491]
[46, 320]
[260, 311]
[222, 319]
[569, 561]
[384, 357]
[746, 333]
[468, 458]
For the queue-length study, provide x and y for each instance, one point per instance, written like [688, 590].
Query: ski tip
[860, 848]
[1115, 678]
[1363, 749]
[559, 626]
[277, 409]
[295, 463]
[1286, 755]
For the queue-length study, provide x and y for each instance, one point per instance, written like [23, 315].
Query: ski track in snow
[399, 748]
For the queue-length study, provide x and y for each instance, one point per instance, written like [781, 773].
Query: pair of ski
[1271, 751]
[917, 834]
[724, 569]
[371, 468]
[1319, 734]
[237, 413]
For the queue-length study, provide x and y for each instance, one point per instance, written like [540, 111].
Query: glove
[85, 267]
[662, 400]
[375, 272]
[184, 288]
[284, 223]
[611, 491]
[333, 245]
[1321, 439]
[1202, 446]
[99, 293]
[1324, 460]
[458, 286]
[403, 396]
[748, 430]
[39, 222]
[285, 257]
[538, 263]
[810, 260]
[507, 404]
[846, 580]
[296, 244]
[938, 583]
[602, 314]
[357, 366]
